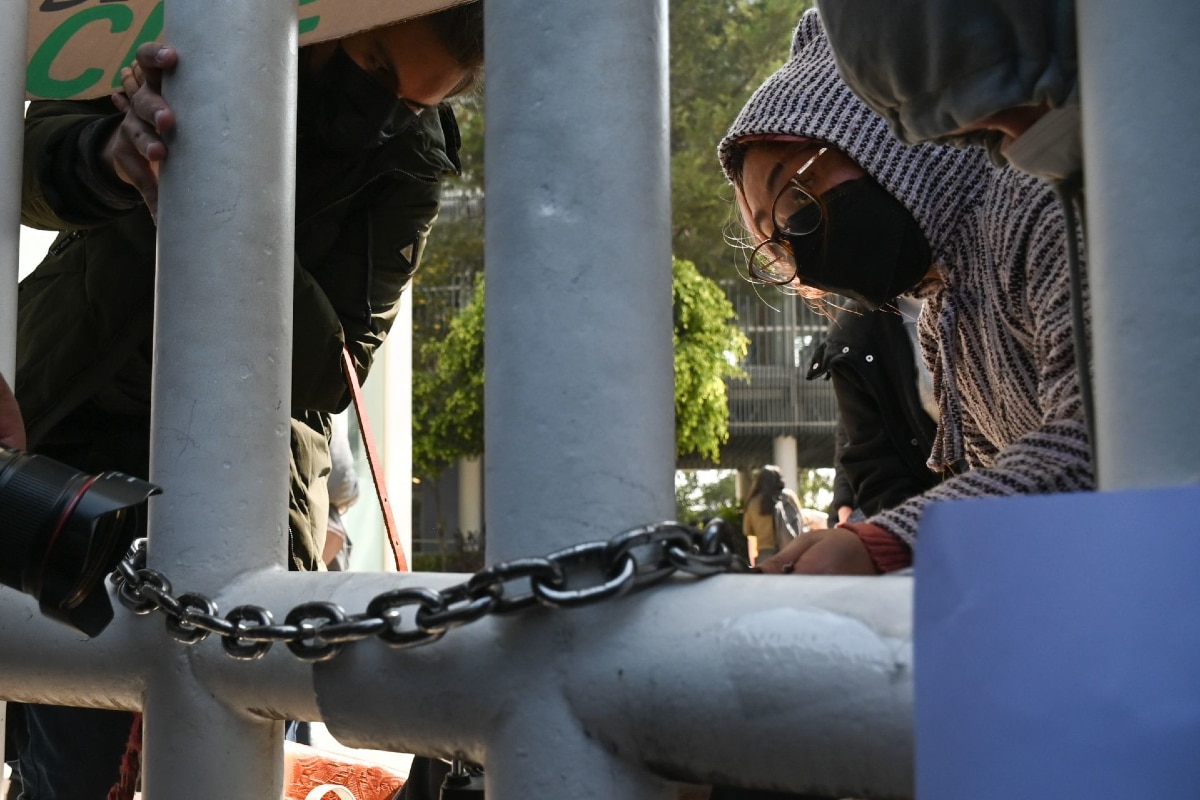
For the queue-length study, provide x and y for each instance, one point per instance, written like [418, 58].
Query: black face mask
[869, 247]
[342, 108]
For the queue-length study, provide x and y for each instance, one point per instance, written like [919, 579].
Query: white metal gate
[601, 702]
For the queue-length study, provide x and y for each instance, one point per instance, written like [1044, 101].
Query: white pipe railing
[671, 683]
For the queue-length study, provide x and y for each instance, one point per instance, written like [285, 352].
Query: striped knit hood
[807, 97]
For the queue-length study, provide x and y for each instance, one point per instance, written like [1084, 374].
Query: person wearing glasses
[834, 204]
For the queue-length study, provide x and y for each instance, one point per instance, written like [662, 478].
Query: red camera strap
[385, 505]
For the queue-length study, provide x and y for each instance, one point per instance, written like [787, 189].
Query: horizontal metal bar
[817, 671]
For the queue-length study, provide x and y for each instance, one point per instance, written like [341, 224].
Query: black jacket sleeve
[66, 184]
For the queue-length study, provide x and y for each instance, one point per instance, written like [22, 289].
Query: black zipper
[65, 242]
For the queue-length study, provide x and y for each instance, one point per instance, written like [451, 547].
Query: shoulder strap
[385, 505]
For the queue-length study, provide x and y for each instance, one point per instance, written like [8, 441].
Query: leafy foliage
[721, 50]
[708, 347]
[454, 253]
[448, 390]
[816, 488]
[696, 500]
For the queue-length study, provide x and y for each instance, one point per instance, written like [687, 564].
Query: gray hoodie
[932, 67]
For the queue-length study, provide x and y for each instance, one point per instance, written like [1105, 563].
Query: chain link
[319, 630]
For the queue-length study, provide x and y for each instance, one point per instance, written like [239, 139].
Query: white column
[786, 455]
[579, 401]
[742, 484]
[470, 498]
[397, 431]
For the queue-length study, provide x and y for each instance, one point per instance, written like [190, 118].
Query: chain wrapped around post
[318, 630]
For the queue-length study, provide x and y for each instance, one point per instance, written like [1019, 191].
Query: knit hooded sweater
[996, 329]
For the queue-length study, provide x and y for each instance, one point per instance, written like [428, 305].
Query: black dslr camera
[62, 531]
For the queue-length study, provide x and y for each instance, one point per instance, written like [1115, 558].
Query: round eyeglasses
[795, 212]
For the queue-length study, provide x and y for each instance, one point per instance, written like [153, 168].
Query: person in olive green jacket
[374, 140]
[367, 193]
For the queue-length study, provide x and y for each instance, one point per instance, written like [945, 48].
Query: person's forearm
[67, 183]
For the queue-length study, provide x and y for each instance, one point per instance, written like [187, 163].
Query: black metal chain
[318, 630]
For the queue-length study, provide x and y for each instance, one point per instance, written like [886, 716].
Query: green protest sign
[78, 47]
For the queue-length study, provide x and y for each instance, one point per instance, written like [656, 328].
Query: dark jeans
[72, 753]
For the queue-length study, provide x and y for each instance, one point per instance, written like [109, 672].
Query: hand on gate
[136, 147]
[826, 551]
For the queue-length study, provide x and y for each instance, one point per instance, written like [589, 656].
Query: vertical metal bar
[786, 455]
[1140, 112]
[579, 431]
[222, 352]
[397, 429]
[470, 498]
[198, 748]
[14, 23]
[222, 339]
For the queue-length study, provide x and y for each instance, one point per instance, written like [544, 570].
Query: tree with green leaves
[699, 494]
[721, 50]
[448, 391]
[708, 348]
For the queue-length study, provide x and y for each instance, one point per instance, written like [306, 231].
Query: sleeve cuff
[888, 552]
[95, 174]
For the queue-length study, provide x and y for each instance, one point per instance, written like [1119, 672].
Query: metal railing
[567, 705]
[613, 700]
[775, 399]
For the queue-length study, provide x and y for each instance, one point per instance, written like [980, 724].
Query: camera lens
[62, 531]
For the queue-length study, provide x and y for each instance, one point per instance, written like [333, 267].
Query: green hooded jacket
[85, 314]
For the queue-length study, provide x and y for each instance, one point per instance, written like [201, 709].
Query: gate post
[14, 21]
[579, 403]
[14, 26]
[1140, 109]
[222, 353]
